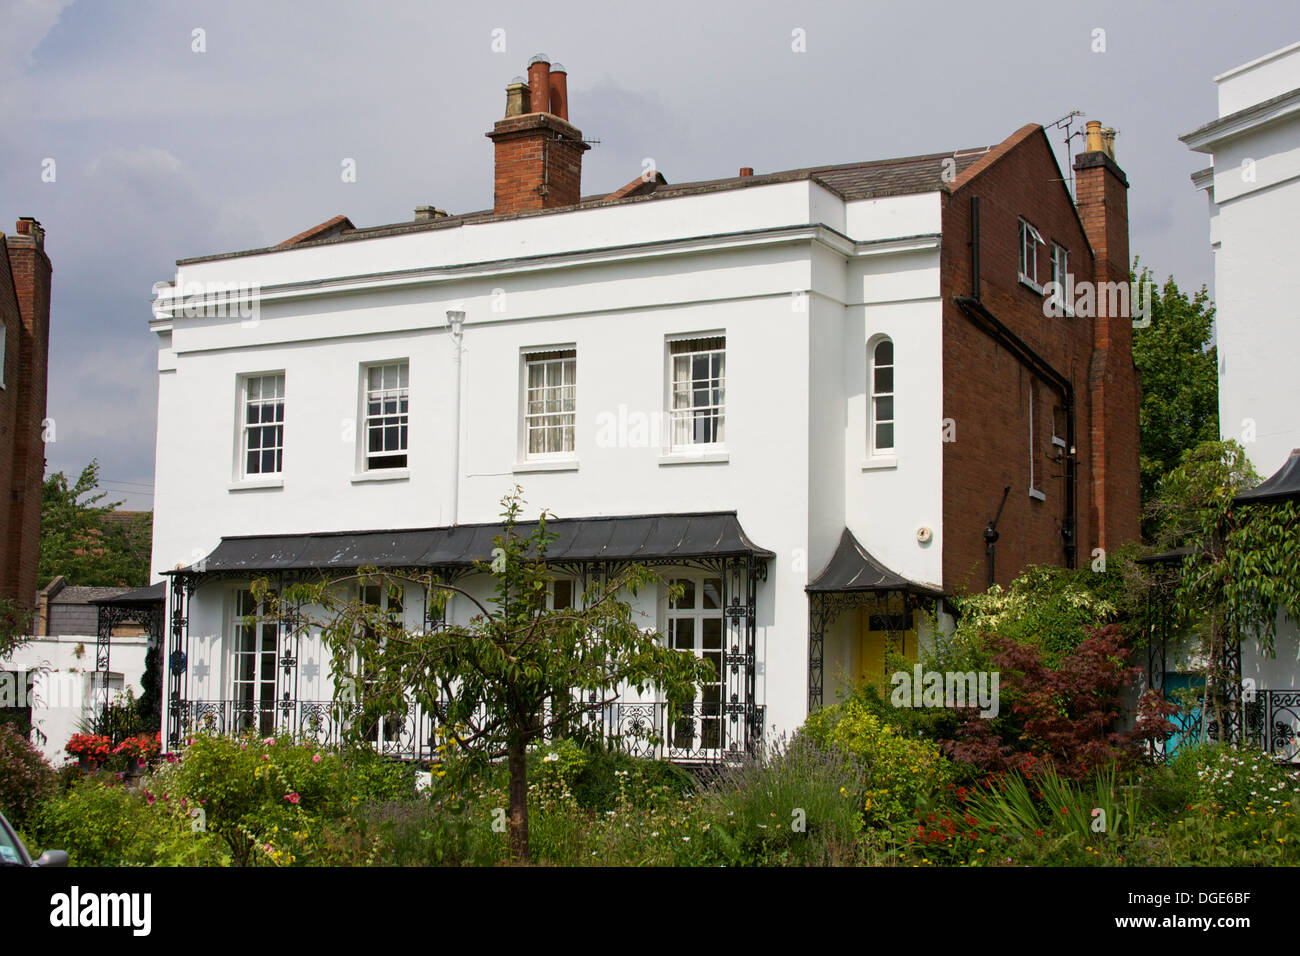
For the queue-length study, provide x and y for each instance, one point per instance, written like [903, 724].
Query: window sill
[694, 457]
[1031, 284]
[1037, 495]
[880, 463]
[251, 484]
[385, 474]
[546, 464]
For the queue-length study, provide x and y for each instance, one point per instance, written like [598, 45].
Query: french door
[695, 625]
[255, 647]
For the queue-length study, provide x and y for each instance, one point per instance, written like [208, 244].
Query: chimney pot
[539, 83]
[1108, 141]
[517, 97]
[425, 213]
[1092, 136]
[559, 91]
[746, 171]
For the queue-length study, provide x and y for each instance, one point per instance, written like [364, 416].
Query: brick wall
[1101, 191]
[987, 391]
[22, 408]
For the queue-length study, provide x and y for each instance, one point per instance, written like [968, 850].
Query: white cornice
[811, 232]
[1205, 138]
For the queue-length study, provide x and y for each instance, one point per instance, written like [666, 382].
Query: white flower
[550, 758]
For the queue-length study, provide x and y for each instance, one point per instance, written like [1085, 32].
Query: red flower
[292, 797]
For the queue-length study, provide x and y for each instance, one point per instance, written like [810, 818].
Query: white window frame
[1030, 240]
[1034, 490]
[388, 729]
[875, 449]
[563, 358]
[709, 730]
[245, 427]
[693, 414]
[1060, 270]
[403, 392]
[264, 711]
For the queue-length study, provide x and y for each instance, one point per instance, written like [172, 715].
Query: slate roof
[875, 179]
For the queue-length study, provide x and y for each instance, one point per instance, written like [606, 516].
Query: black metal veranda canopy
[852, 568]
[136, 597]
[1284, 485]
[642, 538]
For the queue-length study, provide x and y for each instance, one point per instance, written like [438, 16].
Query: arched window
[882, 398]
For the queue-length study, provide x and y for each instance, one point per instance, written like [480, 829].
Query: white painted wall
[63, 694]
[1254, 205]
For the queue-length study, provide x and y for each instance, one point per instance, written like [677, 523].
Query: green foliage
[1180, 384]
[101, 823]
[15, 627]
[897, 771]
[594, 774]
[25, 778]
[1045, 607]
[1239, 573]
[1053, 806]
[514, 673]
[78, 540]
[266, 797]
[798, 804]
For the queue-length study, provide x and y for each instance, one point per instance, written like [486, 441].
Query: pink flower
[292, 797]
[315, 758]
[266, 756]
[141, 762]
[148, 798]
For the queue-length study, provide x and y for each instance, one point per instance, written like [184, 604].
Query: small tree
[1241, 569]
[514, 673]
[80, 541]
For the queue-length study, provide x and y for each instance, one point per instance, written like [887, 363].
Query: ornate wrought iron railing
[695, 734]
[1269, 720]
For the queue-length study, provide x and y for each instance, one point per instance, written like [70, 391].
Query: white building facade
[1253, 188]
[734, 381]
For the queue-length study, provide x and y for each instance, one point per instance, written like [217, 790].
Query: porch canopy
[1283, 486]
[852, 578]
[640, 538]
[853, 568]
[142, 606]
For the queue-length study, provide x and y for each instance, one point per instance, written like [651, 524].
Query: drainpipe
[456, 325]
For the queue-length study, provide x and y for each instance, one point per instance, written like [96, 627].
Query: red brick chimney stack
[22, 407]
[538, 151]
[1101, 196]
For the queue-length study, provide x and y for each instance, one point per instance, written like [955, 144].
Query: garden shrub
[266, 797]
[102, 823]
[897, 771]
[1065, 714]
[799, 802]
[597, 775]
[26, 779]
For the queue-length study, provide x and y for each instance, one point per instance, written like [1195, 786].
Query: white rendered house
[758, 385]
[1253, 188]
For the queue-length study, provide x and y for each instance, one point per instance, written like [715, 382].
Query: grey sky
[163, 153]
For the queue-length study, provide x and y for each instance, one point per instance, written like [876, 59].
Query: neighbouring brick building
[25, 273]
[802, 394]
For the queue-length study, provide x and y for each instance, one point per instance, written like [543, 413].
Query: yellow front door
[883, 628]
